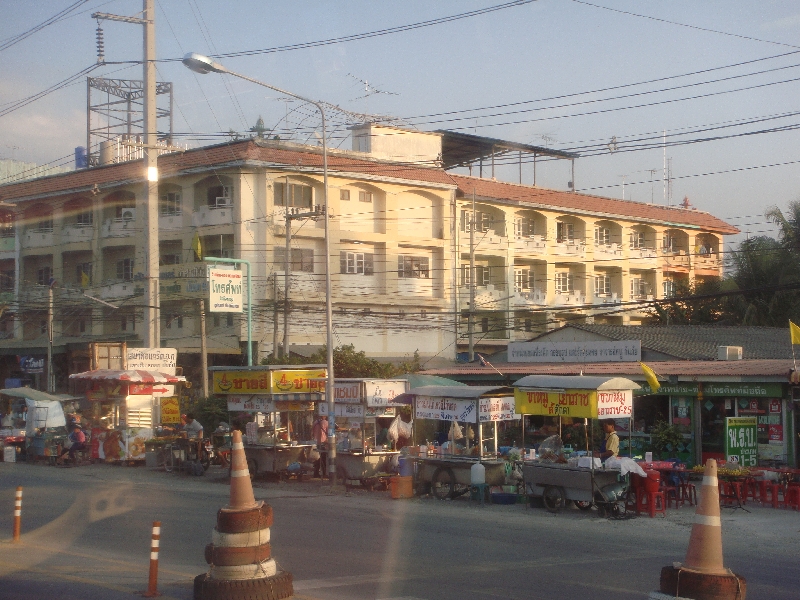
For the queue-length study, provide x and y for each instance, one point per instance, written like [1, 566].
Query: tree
[347, 362]
[695, 302]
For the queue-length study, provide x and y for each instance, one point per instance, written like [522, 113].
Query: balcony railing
[414, 286]
[570, 248]
[77, 233]
[529, 298]
[484, 241]
[118, 228]
[570, 299]
[120, 289]
[535, 244]
[205, 215]
[607, 299]
[38, 238]
[675, 258]
[707, 261]
[642, 252]
[170, 222]
[611, 251]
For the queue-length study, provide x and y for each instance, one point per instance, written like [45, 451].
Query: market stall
[35, 422]
[125, 405]
[447, 468]
[584, 480]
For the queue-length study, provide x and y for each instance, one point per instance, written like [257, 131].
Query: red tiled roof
[271, 152]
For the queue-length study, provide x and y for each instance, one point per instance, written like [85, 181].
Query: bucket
[401, 487]
[406, 466]
[653, 481]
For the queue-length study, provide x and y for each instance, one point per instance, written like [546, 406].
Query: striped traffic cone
[240, 560]
[703, 576]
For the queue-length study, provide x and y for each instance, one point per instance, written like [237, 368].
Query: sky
[607, 79]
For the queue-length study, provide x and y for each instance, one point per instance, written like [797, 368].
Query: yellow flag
[197, 246]
[84, 279]
[795, 331]
[651, 377]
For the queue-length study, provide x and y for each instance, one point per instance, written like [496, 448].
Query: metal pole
[238, 261]
[275, 316]
[471, 315]
[50, 378]
[287, 273]
[203, 348]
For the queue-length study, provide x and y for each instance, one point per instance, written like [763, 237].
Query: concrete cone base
[277, 587]
[702, 586]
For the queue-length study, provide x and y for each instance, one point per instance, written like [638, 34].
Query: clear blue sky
[524, 54]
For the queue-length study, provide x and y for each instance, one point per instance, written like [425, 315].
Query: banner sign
[614, 404]
[346, 392]
[170, 411]
[445, 409]
[225, 293]
[746, 390]
[571, 352]
[283, 381]
[180, 281]
[569, 403]
[31, 364]
[352, 411]
[389, 411]
[383, 393]
[162, 360]
[497, 409]
[265, 404]
[741, 443]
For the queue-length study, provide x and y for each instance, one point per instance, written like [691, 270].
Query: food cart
[363, 407]
[36, 422]
[583, 397]
[125, 404]
[281, 400]
[447, 472]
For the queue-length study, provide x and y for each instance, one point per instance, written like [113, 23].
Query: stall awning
[129, 376]
[458, 392]
[36, 395]
[575, 382]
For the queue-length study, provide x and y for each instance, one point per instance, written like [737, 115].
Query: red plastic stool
[791, 497]
[768, 492]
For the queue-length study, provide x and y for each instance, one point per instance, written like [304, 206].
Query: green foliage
[666, 438]
[347, 362]
[210, 412]
[694, 302]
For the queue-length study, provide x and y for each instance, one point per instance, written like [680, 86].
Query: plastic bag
[550, 450]
[455, 432]
[399, 429]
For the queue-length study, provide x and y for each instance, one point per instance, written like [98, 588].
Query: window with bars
[565, 232]
[125, 269]
[668, 288]
[127, 323]
[293, 194]
[170, 204]
[602, 236]
[44, 225]
[482, 275]
[523, 227]
[169, 259]
[43, 275]
[364, 196]
[84, 219]
[82, 269]
[301, 259]
[639, 288]
[602, 285]
[228, 319]
[522, 279]
[565, 283]
[356, 263]
[417, 267]
[637, 239]
[482, 220]
[344, 195]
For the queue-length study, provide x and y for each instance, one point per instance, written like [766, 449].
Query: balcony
[38, 238]
[675, 258]
[607, 300]
[77, 233]
[121, 289]
[570, 299]
[415, 286]
[575, 248]
[534, 244]
[33, 293]
[170, 222]
[118, 228]
[487, 297]
[221, 214]
[484, 241]
[643, 253]
[529, 298]
[707, 262]
[608, 251]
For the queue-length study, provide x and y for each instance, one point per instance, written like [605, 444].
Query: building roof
[459, 149]
[268, 152]
[697, 342]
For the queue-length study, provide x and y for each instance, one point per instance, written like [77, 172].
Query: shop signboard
[183, 280]
[383, 392]
[281, 381]
[347, 392]
[775, 434]
[445, 409]
[741, 442]
[170, 411]
[569, 403]
[614, 404]
[666, 389]
[265, 404]
[31, 364]
[225, 290]
[162, 360]
[299, 381]
[377, 411]
[351, 411]
[743, 390]
[497, 409]
[571, 352]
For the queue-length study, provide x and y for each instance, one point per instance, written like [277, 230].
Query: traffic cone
[240, 559]
[703, 576]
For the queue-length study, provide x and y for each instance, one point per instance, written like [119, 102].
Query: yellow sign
[569, 403]
[170, 410]
[284, 381]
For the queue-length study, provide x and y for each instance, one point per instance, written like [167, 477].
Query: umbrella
[129, 376]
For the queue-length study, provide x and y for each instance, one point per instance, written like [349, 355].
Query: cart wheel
[601, 511]
[252, 467]
[583, 505]
[553, 498]
[443, 483]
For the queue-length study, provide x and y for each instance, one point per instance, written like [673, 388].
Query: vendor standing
[192, 429]
[610, 445]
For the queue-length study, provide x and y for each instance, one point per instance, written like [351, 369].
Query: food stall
[581, 480]
[365, 408]
[281, 401]
[36, 424]
[447, 469]
[125, 405]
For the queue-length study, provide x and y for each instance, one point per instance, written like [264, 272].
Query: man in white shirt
[192, 429]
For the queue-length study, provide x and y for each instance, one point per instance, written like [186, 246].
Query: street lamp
[203, 65]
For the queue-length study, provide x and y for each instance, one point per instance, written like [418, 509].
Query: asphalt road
[86, 534]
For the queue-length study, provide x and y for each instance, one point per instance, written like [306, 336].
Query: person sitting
[78, 439]
[193, 429]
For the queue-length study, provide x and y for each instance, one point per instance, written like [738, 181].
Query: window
[522, 280]
[483, 221]
[523, 227]
[220, 196]
[602, 285]
[344, 195]
[44, 226]
[302, 259]
[602, 236]
[6, 225]
[42, 326]
[364, 196]
[169, 259]
[668, 242]
[43, 275]
[413, 267]
[565, 232]
[82, 325]
[170, 204]
[564, 283]
[7, 280]
[82, 269]
[484, 324]
[482, 275]
[228, 320]
[293, 194]
[639, 288]
[127, 323]
[528, 325]
[668, 288]
[360, 263]
[637, 239]
[125, 269]
[84, 219]
[173, 321]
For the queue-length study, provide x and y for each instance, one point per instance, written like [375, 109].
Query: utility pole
[203, 348]
[51, 387]
[471, 314]
[275, 316]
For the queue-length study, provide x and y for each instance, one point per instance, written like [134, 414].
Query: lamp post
[204, 65]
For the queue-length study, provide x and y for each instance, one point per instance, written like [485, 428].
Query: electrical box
[729, 352]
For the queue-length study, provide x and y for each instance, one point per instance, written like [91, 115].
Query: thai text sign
[614, 404]
[352, 411]
[162, 360]
[225, 293]
[170, 411]
[180, 281]
[284, 381]
[347, 392]
[569, 403]
[383, 393]
[265, 404]
[610, 351]
[496, 409]
[741, 443]
[445, 409]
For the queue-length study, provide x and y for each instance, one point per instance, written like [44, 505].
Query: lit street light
[203, 65]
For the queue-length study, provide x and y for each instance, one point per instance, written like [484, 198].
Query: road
[86, 534]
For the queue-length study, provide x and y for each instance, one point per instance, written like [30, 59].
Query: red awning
[131, 376]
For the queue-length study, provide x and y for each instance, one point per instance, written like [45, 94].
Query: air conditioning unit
[729, 352]
[223, 202]
[128, 214]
